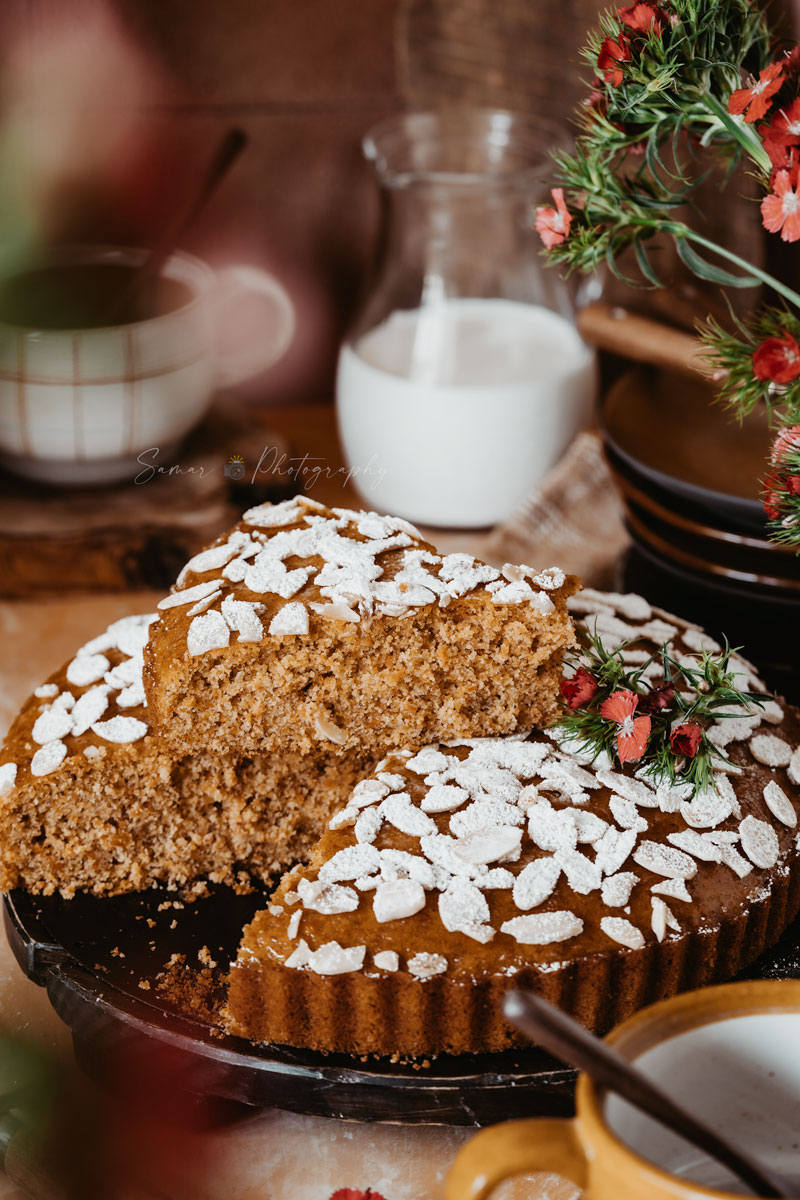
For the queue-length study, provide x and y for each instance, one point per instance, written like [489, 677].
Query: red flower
[787, 439]
[355, 1194]
[781, 138]
[791, 61]
[552, 224]
[612, 55]
[658, 699]
[782, 155]
[777, 359]
[633, 731]
[772, 498]
[685, 739]
[642, 18]
[781, 209]
[786, 123]
[754, 101]
[579, 690]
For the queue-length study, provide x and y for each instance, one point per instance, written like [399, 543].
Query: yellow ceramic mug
[729, 1054]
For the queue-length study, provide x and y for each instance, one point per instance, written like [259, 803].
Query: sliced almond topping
[208, 632]
[120, 729]
[291, 620]
[333, 959]
[663, 919]
[665, 860]
[328, 898]
[489, 845]
[535, 883]
[48, 758]
[189, 595]
[779, 804]
[674, 888]
[696, 844]
[8, 776]
[707, 809]
[463, 909]
[770, 750]
[622, 931]
[539, 929]
[336, 610]
[759, 842]
[425, 966]
[326, 729]
[397, 899]
[616, 889]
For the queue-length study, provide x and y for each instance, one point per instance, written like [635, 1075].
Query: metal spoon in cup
[559, 1034]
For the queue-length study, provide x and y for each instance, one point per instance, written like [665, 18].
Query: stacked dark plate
[690, 477]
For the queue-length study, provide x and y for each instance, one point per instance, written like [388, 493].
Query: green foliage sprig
[671, 80]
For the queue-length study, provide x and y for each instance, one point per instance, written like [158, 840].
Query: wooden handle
[642, 339]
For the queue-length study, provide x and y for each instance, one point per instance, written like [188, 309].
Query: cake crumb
[204, 956]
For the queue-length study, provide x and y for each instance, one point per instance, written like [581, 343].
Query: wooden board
[138, 534]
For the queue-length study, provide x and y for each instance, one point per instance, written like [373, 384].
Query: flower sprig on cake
[672, 80]
[613, 708]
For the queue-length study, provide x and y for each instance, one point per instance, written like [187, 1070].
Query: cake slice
[459, 871]
[306, 627]
[90, 800]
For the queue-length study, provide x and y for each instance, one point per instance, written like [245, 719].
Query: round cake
[459, 871]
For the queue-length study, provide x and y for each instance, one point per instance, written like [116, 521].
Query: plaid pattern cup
[78, 406]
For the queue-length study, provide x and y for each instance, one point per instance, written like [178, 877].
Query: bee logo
[234, 468]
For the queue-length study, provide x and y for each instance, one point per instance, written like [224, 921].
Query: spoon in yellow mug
[563, 1037]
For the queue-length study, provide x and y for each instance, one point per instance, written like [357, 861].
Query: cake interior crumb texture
[113, 818]
[367, 674]
[377, 686]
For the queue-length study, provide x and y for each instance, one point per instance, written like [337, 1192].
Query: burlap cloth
[573, 519]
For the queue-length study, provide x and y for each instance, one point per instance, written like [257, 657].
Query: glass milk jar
[463, 379]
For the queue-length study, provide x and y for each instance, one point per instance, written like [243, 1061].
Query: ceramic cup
[78, 406]
[730, 1055]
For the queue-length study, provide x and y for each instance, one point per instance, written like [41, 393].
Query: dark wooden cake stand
[103, 963]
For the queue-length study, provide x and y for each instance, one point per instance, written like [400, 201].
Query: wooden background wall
[305, 79]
